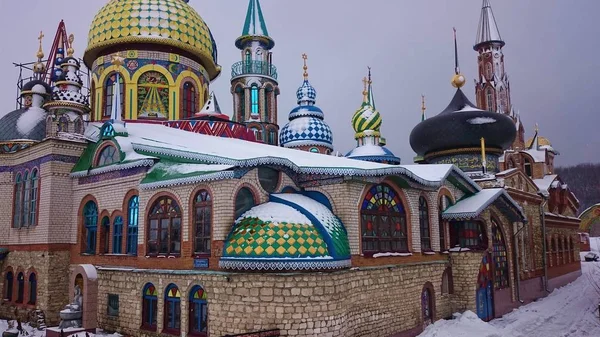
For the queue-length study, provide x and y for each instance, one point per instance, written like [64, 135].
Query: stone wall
[362, 302]
[465, 268]
[52, 272]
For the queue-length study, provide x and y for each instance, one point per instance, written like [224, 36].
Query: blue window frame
[133, 211]
[149, 307]
[32, 289]
[90, 214]
[254, 100]
[106, 231]
[18, 207]
[118, 235]
[198, 312]
[173, 309]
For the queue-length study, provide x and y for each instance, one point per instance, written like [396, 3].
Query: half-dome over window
[268, 178]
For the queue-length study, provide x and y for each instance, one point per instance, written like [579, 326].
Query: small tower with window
[254, 79]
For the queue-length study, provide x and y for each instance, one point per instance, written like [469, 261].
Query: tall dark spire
[487, 32]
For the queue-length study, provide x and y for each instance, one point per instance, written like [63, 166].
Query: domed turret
[306, 129]
[158, 24]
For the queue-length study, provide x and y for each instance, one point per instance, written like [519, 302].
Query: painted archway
[84, 278]
[485, 290]
[590, 220]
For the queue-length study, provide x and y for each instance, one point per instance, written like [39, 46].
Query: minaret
[254, 79]
[492, 89]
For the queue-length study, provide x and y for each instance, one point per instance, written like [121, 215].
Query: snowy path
[571, 311]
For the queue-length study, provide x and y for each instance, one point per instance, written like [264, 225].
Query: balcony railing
[253, 67]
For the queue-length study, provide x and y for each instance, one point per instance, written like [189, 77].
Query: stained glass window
[500, 258]
[489, 97]
[427, 307]
[254, 100]
[26, 200]
[203, 222]
[189, 103]
[133, 211]
[244, 200]
[467, 234]
[150, 307]
[109, 93]
[20, 287]
[198, 312]
[8, 286]
[164, 231]
[118, 235]
[90, 223]
[153, 95]
[383, 221]
[108, 155]
[172, 309]
[424, 224]
[32, 289]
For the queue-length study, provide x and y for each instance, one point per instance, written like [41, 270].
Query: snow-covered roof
[373, 153]
[472, 206]
[545, 183]
[157, 140]
[165, 173]
[538, 155]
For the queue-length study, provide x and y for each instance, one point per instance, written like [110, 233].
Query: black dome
[461, 125]
[29, 86]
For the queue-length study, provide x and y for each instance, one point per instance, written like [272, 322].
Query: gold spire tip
[423, 108]
[70, 50]
[40, 53]
[305, 57]
[365, 92]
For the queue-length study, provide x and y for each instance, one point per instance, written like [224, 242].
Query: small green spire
[254, 26]
[371, 98]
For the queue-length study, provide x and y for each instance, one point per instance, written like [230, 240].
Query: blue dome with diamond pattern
[306, 126]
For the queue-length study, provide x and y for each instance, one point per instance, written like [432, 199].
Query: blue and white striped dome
[305, 131]
[306, 126]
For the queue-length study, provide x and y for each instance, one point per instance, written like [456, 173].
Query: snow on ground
[33, 332]
[570, 311]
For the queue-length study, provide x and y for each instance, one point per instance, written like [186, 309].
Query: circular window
[268, 178]
[314, 150]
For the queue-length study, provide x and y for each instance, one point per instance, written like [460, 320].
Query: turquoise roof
[254, 26]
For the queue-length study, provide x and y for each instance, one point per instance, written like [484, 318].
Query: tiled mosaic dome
[173, 23]
[291, 232]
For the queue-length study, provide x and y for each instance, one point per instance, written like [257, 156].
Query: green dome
[171, 23]
[366, 118]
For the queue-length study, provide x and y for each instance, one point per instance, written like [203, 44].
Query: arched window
[90, 224]
[164, 229]
[447, 282]
[443, 204]
[488, 71]
[500, 256]
[241, 104]
[248, 61]
[18, 204]
[528, 170]
[118, 235]
[153, 95]
[511, 163]
[108, 155]
[78, 126]
[244, 200]
[489, 99]
[20, 287]
[149, 307]
[203, 222]
[561, 249]
[468, 234]
[198, 312]
[424, 224]
[133, 211]
[172, 310]
[267, 102]
[427, 307]
[314, 150]
[189, 100]
[383, 221]
[32, 289]
[268, 178]
[109, 93]
[106, 234]
[63, 124]
[254, 100]
[8, 285]
[26, 199]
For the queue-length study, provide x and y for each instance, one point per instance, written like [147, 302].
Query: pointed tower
[254, 79]
[492, 89]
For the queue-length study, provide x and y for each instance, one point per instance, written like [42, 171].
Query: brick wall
[371, 302]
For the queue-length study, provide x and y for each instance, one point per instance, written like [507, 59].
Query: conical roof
[487, 32]
[254, 27]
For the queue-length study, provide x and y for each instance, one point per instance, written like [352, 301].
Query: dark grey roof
[9, 130]
[461, 125]
[29, 85]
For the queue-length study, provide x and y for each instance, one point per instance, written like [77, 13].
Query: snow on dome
[290, 232]
[30, 119]
[39, 89]
[481, 120]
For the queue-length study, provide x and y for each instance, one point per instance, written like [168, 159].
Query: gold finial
[365, 92]
[370, 82]
[70, 50]
[305, 57]
[40, 53]
[117, 60]
[537, 128]
[423, 108]
[458, 80]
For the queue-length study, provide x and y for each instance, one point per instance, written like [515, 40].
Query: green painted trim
[254, 10]
[399, 182]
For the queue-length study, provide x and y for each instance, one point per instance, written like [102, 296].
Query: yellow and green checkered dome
[171, 23]
[291, 232]
[366, 118]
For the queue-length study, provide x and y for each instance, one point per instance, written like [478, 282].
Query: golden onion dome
[170, 23]
[542, 141]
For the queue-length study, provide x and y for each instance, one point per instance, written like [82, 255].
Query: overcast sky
[551, 56]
